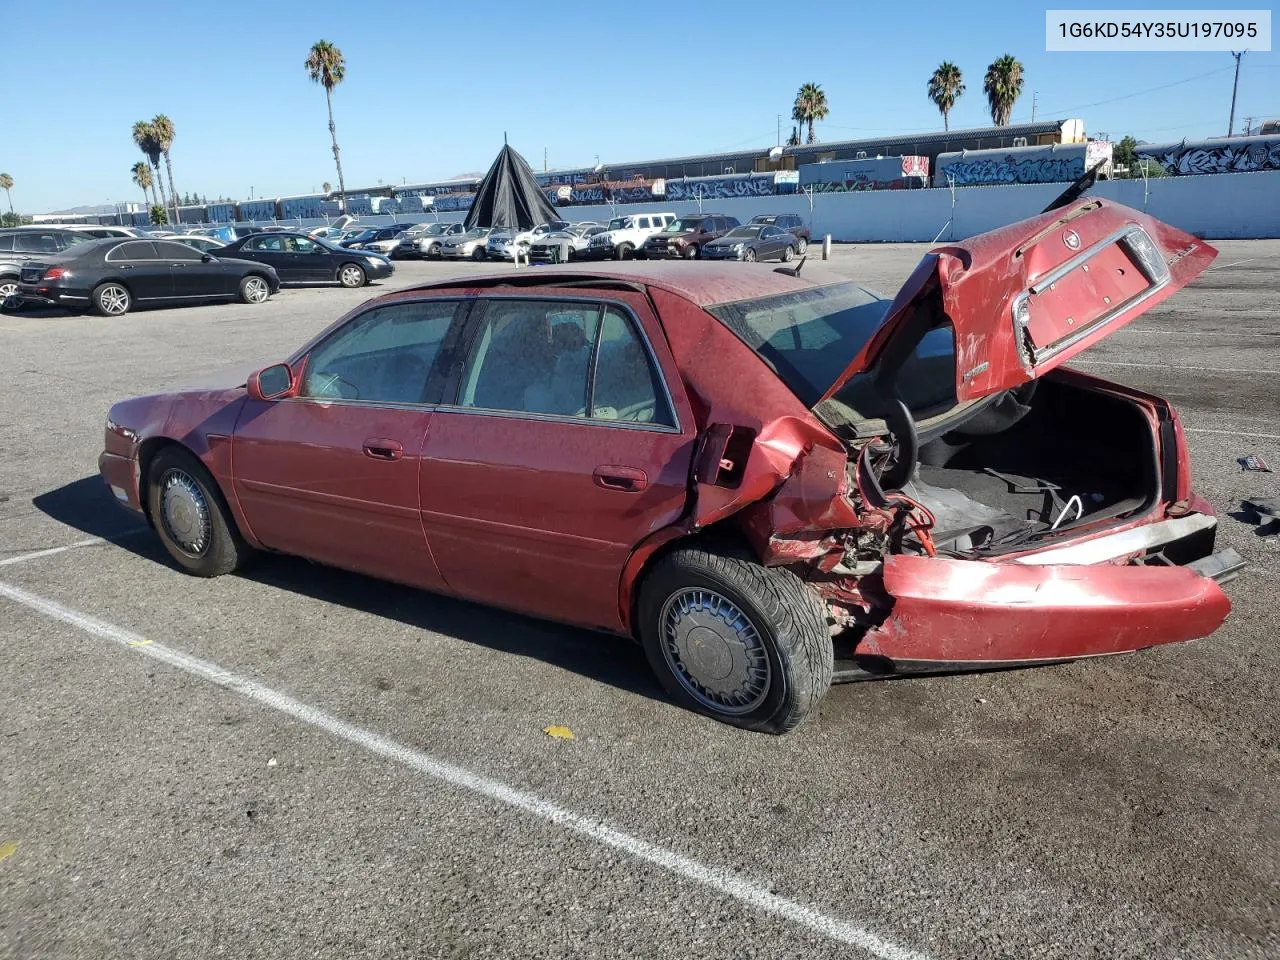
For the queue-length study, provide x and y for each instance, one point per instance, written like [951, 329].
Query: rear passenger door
[566, 443]
[140, 267]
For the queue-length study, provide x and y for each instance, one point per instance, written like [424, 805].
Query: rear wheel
[625, 251]
[111, 300]
[254, 289]
[190, 515]
[737, 641]
[801, 245]
[352, 275]
[8, 287]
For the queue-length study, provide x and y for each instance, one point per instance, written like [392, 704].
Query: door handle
[381, 449]
[624, 479]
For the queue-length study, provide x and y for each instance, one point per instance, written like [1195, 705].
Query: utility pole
[1035, 95]
[1248, 126]
[1231, 124]
[544, 159]
[778, 142]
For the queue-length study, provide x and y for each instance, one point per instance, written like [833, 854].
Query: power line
[1138, 93]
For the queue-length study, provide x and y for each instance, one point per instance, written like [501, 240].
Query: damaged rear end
[967, 502]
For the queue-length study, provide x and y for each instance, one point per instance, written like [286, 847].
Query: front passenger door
[141, 268]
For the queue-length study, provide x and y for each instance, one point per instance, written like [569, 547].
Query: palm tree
[6, 184]
[327, 67]
[1002, 85]
[810, 106]
[142, 177]
[144, 135]
[327, 187]
[164, 134]
[945, 87]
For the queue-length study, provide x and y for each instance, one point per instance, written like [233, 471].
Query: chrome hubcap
[715, 651]
[255, 291]
[115, 300]
[185, 512]
[7, 289]
[351, 277]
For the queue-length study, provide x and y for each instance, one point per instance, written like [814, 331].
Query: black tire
[788, 254]
[691, 252]
[220, 548]
[352, 275]
[479, 255]
[254, 289]
[749, 255]
[8, 288]
[789, 623]
[801, 245]
[625, 251]
[111, 299]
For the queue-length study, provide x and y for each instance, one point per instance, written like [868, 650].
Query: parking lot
[300, 762]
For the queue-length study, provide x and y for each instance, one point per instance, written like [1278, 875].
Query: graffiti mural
[721, 188]
[1055, 163]
[868, 173]
[1235, 155]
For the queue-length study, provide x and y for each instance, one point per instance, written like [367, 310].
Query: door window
[266, 243]
[177, 251]
[37, 243]
[538, 357]
[6, 243]
[137, 250]
[302, 245]
[382, 356]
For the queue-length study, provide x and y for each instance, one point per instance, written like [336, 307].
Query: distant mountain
[467, 176]
[97, 210]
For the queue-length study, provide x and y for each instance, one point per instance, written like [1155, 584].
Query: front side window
[382, 356]
[565, 359]
[302, 245]
[137, 250]
[6, 243]
[177, 251]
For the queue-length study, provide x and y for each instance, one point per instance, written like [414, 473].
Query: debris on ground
[1253, 462]
[559, 733]
[271, 762]
[1265, 512]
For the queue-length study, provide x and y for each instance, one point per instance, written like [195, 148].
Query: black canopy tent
[509, 196]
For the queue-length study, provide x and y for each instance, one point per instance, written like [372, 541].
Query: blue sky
[431, 87]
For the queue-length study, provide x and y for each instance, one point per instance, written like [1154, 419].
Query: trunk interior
[1037, 460]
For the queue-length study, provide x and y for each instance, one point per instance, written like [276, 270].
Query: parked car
[504, 244]
[20, 246]
[746, 470]
[753, 241]
[685, 238]
[624, 237]
[298, 258]
[792, 223]
[425, 239]
[367, 233]
[561, 246]
[469, 245]
[110, 277]
[98, 231]
[203, 244]
[378, 238]
[229, 233]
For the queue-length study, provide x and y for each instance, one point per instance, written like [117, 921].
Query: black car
[298, 258]
[110, 277]
[22, 246]
[374, 234]
[755, 241]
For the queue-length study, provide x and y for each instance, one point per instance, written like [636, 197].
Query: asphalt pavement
[300, 762]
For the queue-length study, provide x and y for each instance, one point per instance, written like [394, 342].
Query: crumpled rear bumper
[963, 614]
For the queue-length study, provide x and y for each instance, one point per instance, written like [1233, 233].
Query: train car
[196, 213]
[1227, 155]
[304, 207]
[248, 210]
[438, 187]
[453, 201]
[221, 212]
[1055, 163]
[730, 186]
[871, 173]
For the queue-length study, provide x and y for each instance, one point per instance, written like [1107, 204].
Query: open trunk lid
[1026, 298]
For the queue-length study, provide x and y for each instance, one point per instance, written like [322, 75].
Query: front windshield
[620, 223]
[809, 337]
[684, 226]
[431, 230]
[743, 233]
[365, 235]
[478, 232]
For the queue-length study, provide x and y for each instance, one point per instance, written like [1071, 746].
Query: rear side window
[6, 243]
[566, 359]
[38, 243]
[177, 251]
[643, 223]
[382, 356]
[135, 250]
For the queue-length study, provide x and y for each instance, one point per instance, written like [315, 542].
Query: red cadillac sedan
[759, 473]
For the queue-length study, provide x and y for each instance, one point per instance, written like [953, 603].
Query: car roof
[705, 283]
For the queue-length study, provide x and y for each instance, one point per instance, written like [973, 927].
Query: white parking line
[1165, 331]
[92, 542]
[1234, 433]
[1169, 366]
[750, 893]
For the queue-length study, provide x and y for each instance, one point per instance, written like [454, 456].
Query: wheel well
[147, 451]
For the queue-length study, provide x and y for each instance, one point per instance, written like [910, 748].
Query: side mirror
[318, 249]
[207, 258]
[271, 383]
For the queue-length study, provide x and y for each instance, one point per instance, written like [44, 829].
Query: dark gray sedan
[755, 241]
[298, 258]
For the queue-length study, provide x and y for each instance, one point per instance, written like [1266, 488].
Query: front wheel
[190, 515]
[479, 255]
[111, 300]
[749, 255]
[625, 251]
[254, 289]
[351, 275]
[691, 252]
[742, 643]
[788, 254]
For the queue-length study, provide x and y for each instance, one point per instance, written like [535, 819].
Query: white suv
[625, 235]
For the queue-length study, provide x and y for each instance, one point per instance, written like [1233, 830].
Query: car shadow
[86, 505]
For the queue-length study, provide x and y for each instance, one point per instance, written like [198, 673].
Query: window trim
[449, 403]
[108, 258]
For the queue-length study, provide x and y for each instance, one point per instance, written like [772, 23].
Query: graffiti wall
[1055, 163]
[869, 173]
[305, 207]
[1229, 155]
[721, 188]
